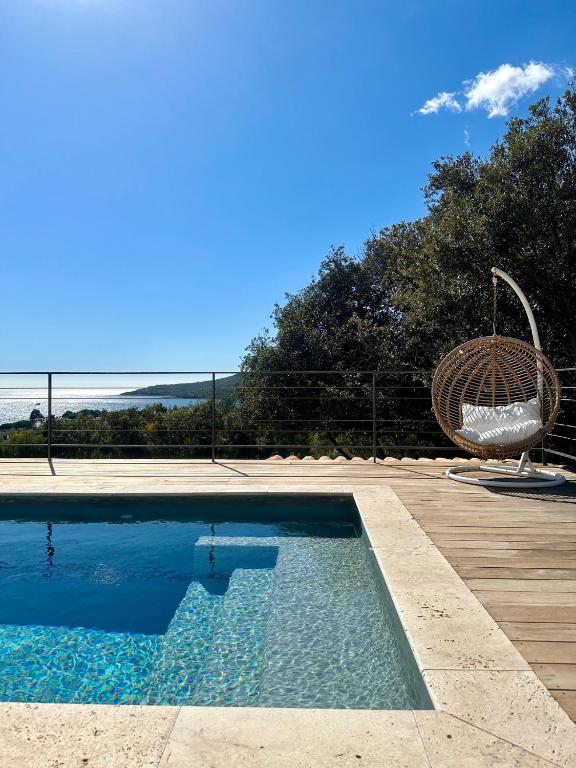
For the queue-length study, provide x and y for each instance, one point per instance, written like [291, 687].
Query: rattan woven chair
[509, 386]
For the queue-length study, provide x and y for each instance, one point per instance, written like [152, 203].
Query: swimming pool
[239, 601]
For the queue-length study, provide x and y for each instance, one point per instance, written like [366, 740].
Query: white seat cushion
[507, 435]
[501, 424]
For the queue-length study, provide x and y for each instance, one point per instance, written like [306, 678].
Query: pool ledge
[490, 708]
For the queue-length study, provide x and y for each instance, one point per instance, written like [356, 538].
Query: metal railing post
[213, 417]
[373, 417]
[49, 417]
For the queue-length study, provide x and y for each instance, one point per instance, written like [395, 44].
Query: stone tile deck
[515, 550]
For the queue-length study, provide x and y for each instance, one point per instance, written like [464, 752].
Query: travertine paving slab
[514, 706]
[83, 736]
[451, 743]
[293, 738]
[447, 627]
[448, 630]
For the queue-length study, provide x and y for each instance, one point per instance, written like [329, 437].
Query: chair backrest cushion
[483, 418]
[502, 424]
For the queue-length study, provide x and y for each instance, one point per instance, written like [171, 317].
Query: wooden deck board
[531, 630]
[539, 544]
[547, 651]
[522, 585]
[540, 613]
[555, 560]
[567, 699]
[556, 556]
[491, 597]
[557, 676]
[504, 533]
[480, 572]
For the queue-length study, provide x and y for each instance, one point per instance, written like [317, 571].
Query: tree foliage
[422, 287]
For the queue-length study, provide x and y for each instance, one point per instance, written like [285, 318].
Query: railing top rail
[230, 372]
[209, 373]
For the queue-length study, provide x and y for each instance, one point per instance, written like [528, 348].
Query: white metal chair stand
[497, 397]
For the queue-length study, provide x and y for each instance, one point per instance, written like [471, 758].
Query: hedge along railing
[560, 444]
[370, 413]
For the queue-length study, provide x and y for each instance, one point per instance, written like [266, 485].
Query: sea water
[18, 403]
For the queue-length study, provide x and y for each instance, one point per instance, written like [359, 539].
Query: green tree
[422, 287]
[515, 209]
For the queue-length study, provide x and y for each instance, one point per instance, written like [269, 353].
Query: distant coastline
[197, 390]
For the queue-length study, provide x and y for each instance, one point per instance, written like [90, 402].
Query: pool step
[218, 557]
[184, 647]
[232, 669]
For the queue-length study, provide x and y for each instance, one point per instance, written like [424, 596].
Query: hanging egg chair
[496, 397]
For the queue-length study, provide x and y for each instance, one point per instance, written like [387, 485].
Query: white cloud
[498, 90]
[443, 99]
[466, 137]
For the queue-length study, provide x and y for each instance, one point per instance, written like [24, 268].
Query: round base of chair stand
[525, 475]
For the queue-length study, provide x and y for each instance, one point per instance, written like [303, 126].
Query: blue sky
[169, 168]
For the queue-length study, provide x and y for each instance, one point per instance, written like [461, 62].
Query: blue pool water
[240, 602]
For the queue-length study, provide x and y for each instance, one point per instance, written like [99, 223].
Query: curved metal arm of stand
[520, 293]
[531, 319]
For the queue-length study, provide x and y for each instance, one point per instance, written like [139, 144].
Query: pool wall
[418, 688]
